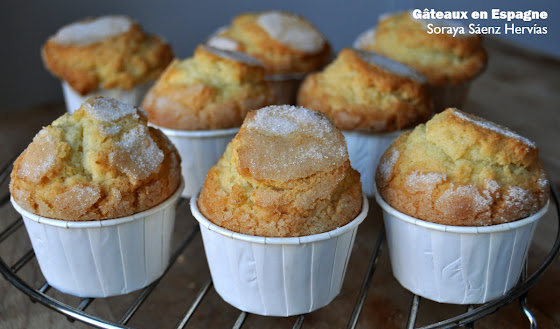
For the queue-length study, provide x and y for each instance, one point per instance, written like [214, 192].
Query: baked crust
[121, 62]
[273, 183]
[102, 162]
[248, 36]
[212, 90]
[462, 170]
[359, 94]
[442, 58]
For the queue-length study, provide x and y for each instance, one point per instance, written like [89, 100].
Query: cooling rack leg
[523, 299]
[525, 308]
[413, 312]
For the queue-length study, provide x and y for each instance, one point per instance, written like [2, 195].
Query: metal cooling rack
[79, 313]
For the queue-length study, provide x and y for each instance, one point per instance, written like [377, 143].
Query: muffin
[372, 99]
[470, 187]
[462, 170]
[449, 63]
[214, 89]
[282, 41]
[200, 102]
[105, 56]
[365, 91]
[101, 162]
[286, 173]
[282, 197]
[287, 44]
[95, 189]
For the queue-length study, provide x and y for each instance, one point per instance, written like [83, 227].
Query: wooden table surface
[520, 90]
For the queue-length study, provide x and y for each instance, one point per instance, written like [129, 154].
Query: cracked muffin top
[361, 90]
[284, 42]
[107, 52]
[441, 58]
[214, 89]
[102, 162]
[285, 174]
[459, 169]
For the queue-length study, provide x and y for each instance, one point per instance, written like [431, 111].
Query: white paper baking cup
[365, 149]
[457, 264]
[285, 87]
[449, 95]
[134, 96]
[277, 276]
[104, 257]
[199, 151]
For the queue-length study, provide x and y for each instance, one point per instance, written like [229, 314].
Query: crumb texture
[362, 90]
[283, 42]
[214, 89]
[459, 169]
[286, 173]
[442, 58]
[108, 52]
[102, 162]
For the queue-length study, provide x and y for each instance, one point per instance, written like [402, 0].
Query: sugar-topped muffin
[361, 90]
[459, 169]
[214, 89]
[444, 59]
[107, 52]
[284, 42]
[285, 174]
[101, 162]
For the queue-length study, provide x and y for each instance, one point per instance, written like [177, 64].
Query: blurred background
[185, 24]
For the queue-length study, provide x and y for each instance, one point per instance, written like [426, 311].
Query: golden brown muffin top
[214, 89]
[442, 58]
[102, 162]
[108, 52]
[366, 91]
[286, 173]
[284, 42]
[459, 169]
